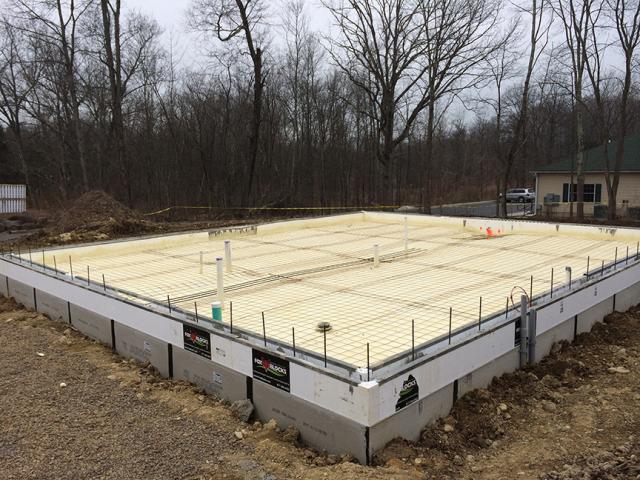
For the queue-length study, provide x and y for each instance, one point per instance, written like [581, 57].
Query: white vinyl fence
[13, 198]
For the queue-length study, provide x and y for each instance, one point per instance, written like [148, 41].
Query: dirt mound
[98, 216]
[95, 208]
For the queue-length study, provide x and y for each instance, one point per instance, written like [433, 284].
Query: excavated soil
[71, 409]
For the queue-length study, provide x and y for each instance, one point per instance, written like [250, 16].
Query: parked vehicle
[521, 195]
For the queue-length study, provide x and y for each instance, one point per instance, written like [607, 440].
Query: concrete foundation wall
[628, 298]
[544, 342]
[318, 427]
[410, 421]
[22, 293]
[483, 376]
[593, 315]
[53, 307]
[91, 324]
[3, 286]
[143, 348]
[214, 378]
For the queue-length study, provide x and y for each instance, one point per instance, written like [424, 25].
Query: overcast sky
[170, 14]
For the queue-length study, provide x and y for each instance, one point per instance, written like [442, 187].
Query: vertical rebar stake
[195, 304]
[264, 331]
[602, 269]
[231, 316]
[531, 291]
[506, 309]
[324, 333]
[19, 255]
[104, 284]
[552, 283]
[480, 315]
[638, 251]
[88, 276]
[70, 267]
[368, 369]
[615, 260]
[169, 304]
[293, 336]
[413, 340]
[55, 265]
[450, 319]
[43, 262]
[30, 258]
[588, 260]
[626, 259]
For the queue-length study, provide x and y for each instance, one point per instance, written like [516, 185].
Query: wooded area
[403, 102]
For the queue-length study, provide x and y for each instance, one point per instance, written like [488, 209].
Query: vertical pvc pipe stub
[227, 256]
[216, 311]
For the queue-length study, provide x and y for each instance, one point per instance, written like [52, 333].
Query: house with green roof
[556, 182]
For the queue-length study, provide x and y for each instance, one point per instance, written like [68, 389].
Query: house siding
[628, 190]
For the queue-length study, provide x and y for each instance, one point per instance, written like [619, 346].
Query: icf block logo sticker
[409, 393]
[197, 341]
[271, 370]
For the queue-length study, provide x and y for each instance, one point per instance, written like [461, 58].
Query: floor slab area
[325, 273]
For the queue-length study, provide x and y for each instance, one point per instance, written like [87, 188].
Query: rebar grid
[299, 278]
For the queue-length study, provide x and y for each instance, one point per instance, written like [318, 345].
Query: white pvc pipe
[376, 255]
[406, 235]
[227, 256]
[220, 271]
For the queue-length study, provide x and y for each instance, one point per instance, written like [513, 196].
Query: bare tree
[577, 19]
[122, 68]
[18, 77]
[459, 37]
[539, 26]
[239, 19]
[380, 49]
[626, 16]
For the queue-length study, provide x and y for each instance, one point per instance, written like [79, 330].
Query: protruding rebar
[293, 337]
[551, 282]
[55, 265]
[615, 260]
[195, 305]
[324, 333]
[70, 267]
[264, 330]
[450, 322]
[588, 260]
[531, 291]
[231, 315]
[104, 283]
[413, 340]
[169, 304]
[480, 315]
[368, 367]
[88, 276]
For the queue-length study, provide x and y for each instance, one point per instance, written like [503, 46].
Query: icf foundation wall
[332, 413]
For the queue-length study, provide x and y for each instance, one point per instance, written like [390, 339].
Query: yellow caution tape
[164, 210]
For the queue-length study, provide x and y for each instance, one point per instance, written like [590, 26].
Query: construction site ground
[73, 409]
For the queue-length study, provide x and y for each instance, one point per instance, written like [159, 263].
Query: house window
[592, 192]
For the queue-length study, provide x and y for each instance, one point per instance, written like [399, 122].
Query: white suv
[521, 195]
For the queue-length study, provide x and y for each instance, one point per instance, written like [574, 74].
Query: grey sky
[170, 14]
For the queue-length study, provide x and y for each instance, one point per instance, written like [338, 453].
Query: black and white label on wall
[270, 369]
[197, 341]
[409, 393]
